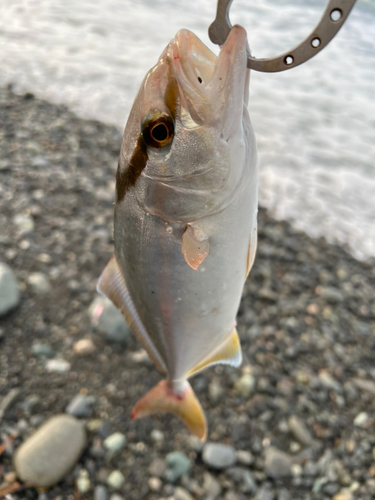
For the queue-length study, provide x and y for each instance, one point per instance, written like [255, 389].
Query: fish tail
[185, 405]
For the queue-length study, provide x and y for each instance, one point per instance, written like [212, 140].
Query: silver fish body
[185, 213]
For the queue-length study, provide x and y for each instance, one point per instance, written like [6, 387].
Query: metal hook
[333, 18]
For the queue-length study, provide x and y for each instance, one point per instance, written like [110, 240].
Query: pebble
[8, 400]
[299, 430]
[215, 390]
[84, 347]
[42, 350]
[80, 406]
[83, 481]
[277, 463]
[177, 464]
[100, 492]
[109, 320]
[219, 456]
[284, 495]
[115, 442]
[155, 483]
[157, 467]
[328, 381]
[245, 385]
[244, 457]
[25, 223]
[9, 291]
[343, 495]
[115, 496]
[211, 486]
[361, 419]
[181, 494]
[57, 365]
[116, 479]
[157, 436]
[243, 478]
[39, 283]
[50, 453]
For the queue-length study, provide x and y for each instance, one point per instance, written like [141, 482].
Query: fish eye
[158, 130]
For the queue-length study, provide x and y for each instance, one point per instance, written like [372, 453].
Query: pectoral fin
[186, 406]
[194, 247]
[112, 284]
[228, 353]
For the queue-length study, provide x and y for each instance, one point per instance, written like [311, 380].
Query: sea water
[315, 124]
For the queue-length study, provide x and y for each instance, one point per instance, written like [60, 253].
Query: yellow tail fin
[186, 406]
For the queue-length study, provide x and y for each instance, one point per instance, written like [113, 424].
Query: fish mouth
[209, 83]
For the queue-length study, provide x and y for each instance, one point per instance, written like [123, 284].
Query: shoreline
[306, 322]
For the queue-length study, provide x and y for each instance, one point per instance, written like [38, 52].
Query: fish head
[187, 139]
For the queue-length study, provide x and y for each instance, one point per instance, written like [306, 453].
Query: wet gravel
[296, 421]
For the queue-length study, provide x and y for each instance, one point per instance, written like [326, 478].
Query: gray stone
[25, 223]
[181, 494]
[116, 496]
[157, 436]
[157, 467]
[265, 494]
[80, 406]
[299, 430]
[245, 385]
[83, 481]
[331, 295]
[39, 283]
[9, 291]
[211, 486]
[178, 464]
[244, 457]
[277, 463]
[42, 350]
[51, 452]
[219, 456]
[109, 321]
[116, 479]
[115, 442]
[8, 401]
[243, 478]
[100, 493]
[57, 365]
[284, 495]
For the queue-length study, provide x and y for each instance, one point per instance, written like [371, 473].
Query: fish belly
[187, 313]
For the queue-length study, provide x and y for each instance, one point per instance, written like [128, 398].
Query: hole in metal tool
[289, 60]
[315, 42]
[336, 15]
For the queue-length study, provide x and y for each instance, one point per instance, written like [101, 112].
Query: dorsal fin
[112, 284]
[228, 353]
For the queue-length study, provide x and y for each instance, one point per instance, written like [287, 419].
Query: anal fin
[112, 284]
[228, 353]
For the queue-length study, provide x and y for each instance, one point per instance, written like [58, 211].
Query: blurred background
[314, 124]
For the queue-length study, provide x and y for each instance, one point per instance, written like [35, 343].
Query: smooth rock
[51, 452]
[243, 478]
[83, 481]
[181, 494]
[244, 457]
[100, 492]
[211, 486]
[299, 430]
[57, 365]
[80, 406]
[115, 442]
[178, 464]
[42, 350]
[8, 400]
[25, 223]
[84, 347]
[265, 494]
[155, 483]
[245, 385]
[277, 463]
[157, 467]
[9, 291]
[361, 419]
[109, 321]
[284, 494]
[39, 283]
[219, 456]
[157, 436]
[116, 479]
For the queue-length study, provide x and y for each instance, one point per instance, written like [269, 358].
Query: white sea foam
[315, 124]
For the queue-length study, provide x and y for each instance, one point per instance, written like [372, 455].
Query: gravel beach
[296, 421]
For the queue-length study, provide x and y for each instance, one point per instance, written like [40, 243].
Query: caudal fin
[161, 399]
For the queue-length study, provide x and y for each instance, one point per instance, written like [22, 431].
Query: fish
[185, 217]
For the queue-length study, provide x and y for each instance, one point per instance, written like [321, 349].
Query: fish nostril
[200, 79]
